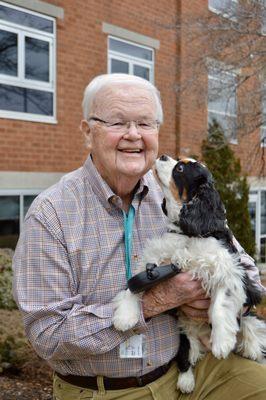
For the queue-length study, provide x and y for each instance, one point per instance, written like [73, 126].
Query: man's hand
[197, 309]
[179, 291]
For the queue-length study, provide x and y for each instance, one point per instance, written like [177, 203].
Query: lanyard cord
[128, 229]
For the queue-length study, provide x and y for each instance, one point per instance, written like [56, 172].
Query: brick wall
[82, 54]
[180, 75]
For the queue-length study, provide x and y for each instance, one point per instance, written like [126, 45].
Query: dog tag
[132, 347]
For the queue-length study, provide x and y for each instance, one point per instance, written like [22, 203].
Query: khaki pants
[232, 379]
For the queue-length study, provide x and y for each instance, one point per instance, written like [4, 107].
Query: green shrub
[231, 184]
[6, 298]
[14, 347]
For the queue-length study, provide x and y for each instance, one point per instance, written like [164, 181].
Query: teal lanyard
[128, 228]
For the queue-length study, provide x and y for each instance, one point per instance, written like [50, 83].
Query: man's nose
[132, 131]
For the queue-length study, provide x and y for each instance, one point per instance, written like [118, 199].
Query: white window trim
[130, 59]
[20, 194]
[226, 113]
[19, 80]
[256, 198]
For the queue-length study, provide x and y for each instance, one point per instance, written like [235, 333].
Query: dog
[199, 240]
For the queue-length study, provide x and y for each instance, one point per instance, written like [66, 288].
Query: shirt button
[149, 364]
[135, 256]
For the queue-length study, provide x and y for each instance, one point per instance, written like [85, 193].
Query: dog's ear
[164, 206]
[204, 214]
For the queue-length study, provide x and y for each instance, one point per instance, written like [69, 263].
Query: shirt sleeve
[57, 322]
[249, 264]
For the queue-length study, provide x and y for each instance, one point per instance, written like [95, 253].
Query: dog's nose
[163, 158]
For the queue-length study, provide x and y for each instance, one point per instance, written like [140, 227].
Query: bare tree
[228, 44]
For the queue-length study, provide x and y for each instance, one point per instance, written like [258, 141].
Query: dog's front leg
[126, 312]
[223, 317]
[186, 380]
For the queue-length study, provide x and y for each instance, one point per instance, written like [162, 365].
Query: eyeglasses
[143, 126]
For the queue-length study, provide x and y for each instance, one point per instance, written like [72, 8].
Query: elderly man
[83, 239]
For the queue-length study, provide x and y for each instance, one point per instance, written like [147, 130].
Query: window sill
[28, 117]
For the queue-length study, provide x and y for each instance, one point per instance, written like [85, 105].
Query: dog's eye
[180, 167]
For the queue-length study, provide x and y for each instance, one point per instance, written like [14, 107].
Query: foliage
[6, 298]
[14, 348]
[233, 187]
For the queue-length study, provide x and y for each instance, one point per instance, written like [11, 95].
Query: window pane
[36, 59]
[9, 221]
[263, 250]
[222, 96]
[143, 72]
[8, 53]
[227, 123]
[23, 18]
[252, 213]
[119, 66]
[132, 50]
[13, 98]
[27, 202]
[228, 7]
[263, 213]
[263, 136]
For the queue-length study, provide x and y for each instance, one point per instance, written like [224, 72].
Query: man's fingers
[195, 313]
[200, 304]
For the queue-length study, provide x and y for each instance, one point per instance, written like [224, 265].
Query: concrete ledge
[39, 6]
[16, 181]
[256, 182]
[130, 35]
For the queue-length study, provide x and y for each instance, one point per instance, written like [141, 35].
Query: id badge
[132, 347]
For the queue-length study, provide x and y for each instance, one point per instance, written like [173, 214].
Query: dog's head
[191, 200]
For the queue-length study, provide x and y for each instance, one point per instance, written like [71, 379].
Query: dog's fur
[199, 241]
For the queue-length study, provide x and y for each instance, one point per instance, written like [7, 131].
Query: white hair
[108, 80]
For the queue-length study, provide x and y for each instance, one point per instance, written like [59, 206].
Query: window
[27, 65]
[13, 208]
[227, 8]
[257, 209]
[263, 119]
[129, 58]
[262, 13]
[222, 101]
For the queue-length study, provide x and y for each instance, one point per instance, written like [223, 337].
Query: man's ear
[85, 129]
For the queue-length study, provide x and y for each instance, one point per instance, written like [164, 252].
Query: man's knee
[234, 377]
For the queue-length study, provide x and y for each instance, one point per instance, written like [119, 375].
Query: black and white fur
[199, 241]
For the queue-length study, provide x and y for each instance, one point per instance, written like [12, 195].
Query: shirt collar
[103, 190]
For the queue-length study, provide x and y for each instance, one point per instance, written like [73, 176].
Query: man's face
[119, 155]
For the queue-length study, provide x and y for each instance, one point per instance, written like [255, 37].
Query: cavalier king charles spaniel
[199, 240]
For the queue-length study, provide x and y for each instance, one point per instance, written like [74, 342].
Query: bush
[6, 297]
[14, 347]
[231, 185]
[16, 354]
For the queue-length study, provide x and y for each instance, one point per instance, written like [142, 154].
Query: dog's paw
[126, 310]
[122, 323]
[222, 347]
[186, 381]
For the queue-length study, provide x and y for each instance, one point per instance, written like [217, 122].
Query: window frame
[20, 194]
[255, 197]
[20, 80]
[131, 60]
[226, 114]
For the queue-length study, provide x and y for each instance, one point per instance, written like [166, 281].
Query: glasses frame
[126, 127]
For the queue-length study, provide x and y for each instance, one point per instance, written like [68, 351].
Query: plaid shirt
[70, 263]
